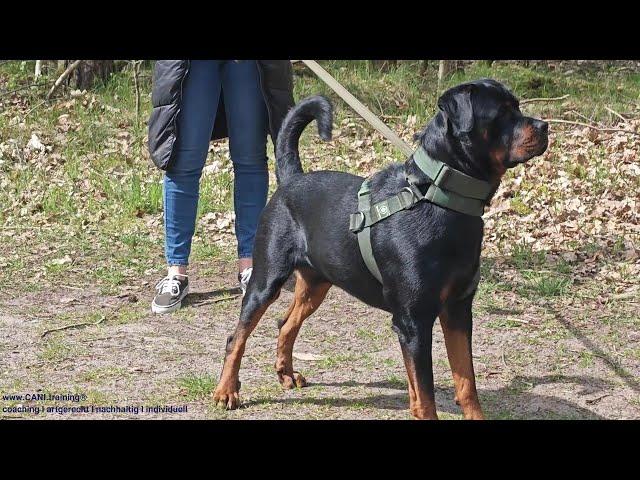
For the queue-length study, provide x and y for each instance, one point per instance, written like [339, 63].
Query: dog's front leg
[414, 334]
[456, 321]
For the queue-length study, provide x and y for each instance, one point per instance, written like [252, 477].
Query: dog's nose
[542, 126]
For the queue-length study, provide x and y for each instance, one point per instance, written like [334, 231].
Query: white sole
[158, 309]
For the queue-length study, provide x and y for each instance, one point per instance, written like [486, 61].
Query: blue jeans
[247, 124]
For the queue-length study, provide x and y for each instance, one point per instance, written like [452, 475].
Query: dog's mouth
[529, 149]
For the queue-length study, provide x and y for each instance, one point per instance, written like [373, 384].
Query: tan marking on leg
[458, 343]
[309, 294]
[227, 391]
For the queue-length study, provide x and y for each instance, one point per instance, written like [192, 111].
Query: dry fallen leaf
[308, 357]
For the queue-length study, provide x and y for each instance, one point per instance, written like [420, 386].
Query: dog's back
[314, 208]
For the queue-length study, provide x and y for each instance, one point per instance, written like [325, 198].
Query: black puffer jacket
[276, 80]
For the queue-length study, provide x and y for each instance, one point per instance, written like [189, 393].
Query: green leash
[449, 188]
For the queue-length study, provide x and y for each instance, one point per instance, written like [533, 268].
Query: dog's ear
[457, 107]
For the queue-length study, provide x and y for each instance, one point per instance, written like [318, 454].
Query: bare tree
[446, 68]
[91, 71]
[384, 65]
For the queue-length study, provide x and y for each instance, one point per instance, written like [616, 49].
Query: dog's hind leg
[310, 291]
[263, 289]
[456, 321]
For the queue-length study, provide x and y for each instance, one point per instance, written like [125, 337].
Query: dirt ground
[536, 364]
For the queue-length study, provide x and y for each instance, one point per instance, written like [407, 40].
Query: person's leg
[248, 124]
[200, 97]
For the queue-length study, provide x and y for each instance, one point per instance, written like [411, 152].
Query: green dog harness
[449, 188]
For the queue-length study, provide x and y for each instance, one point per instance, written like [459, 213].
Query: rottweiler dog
[427, 255]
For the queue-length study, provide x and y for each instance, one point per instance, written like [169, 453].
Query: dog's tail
[316, 108]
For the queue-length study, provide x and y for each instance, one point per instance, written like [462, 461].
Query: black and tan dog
[427, 255]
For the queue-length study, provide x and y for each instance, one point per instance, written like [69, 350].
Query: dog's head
[483, 128]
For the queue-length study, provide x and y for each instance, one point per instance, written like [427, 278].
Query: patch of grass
[109, 275]
[205, 251]
[552, 330]
[519, 386]
[397, 382]
[216, 193]
[54, 269]
[186, 313]
[197, 387]
[100, 375]
[450, 416]
[518, 206]
[370, 335]
[97, 397]
[563, 267]
[545, 284]
[523, 256]
[332, 361]
[264, 393]
[13, 265]
[56, 350]
[140, 198]
[586, 359]
[503, 323]
[128, 315]
[389, 362]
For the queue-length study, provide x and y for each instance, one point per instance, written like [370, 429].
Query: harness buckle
[356, 222]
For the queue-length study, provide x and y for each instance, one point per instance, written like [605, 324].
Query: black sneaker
[170, 292]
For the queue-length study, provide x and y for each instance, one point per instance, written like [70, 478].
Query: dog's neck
[440, 145]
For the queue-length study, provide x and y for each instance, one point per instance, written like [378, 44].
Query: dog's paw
[289, 382]
[226, 398]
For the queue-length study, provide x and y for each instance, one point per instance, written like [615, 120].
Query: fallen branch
[596, 400]
[63, 77]
[75, 325]
[517, 320]
[600, 129]
[496, 212]
[24, 87]
[543, 99]
[625, 295]
[611, 110]
[578, 114]
[39, 104]
[221, 299]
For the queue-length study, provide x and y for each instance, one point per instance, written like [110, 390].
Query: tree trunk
[91, 71]
[445, 68]
[384, 65]
[424, 66]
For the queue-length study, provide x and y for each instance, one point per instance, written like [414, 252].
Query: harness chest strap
[364, 234]
[449, 188]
